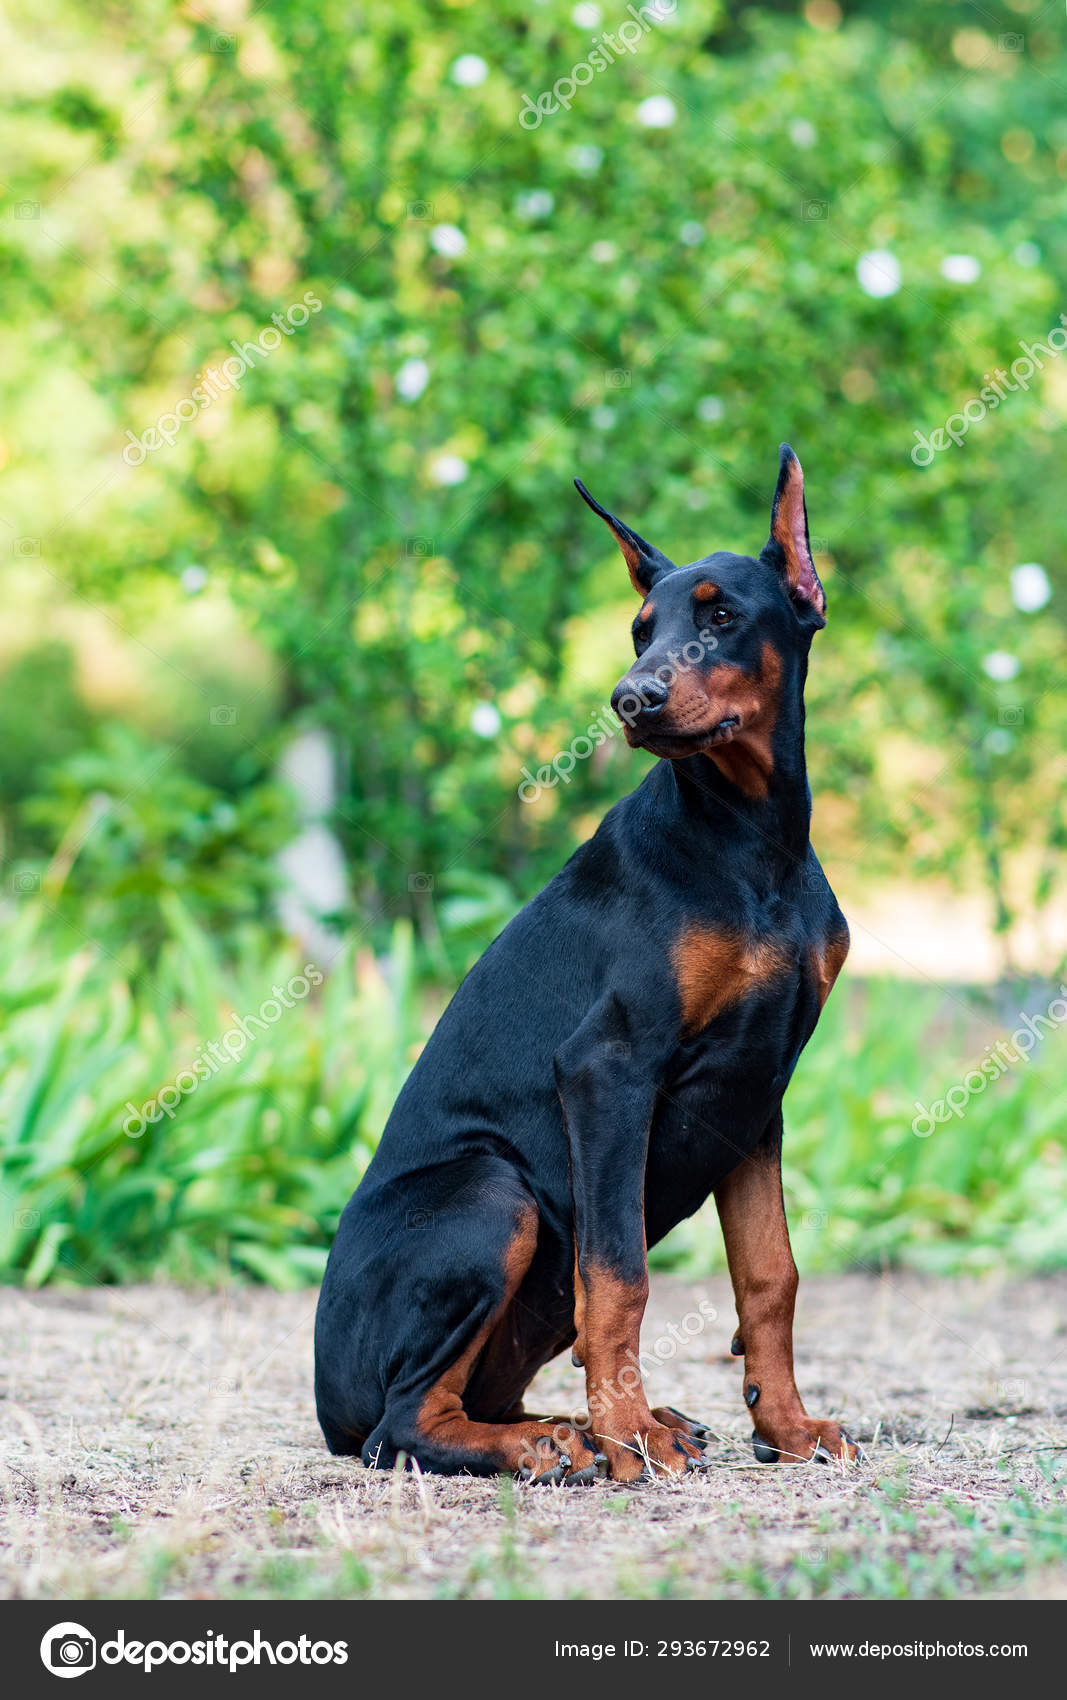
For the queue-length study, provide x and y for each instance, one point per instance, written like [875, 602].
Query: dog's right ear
[645, 562]
[789, 548]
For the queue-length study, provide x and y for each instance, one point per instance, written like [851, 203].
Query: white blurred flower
[448, 239]
[1027, 254]
[878, 272]
[469, 70]
[534, 203]
[412, 379]
[1030, 587]
[192, 580]
[709, 409]
[603, 418]
[1000, 741]
[603, 253]
[448, 469]
[999, 665]
[658, 112]
[586, 15]
[586, 158]
[485, 719]
[691, 233]
[961, 268]
[802, 134]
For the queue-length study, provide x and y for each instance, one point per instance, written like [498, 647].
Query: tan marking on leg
[622, 1425]
[578, 1351]
[507, 1446]
[764, 1278]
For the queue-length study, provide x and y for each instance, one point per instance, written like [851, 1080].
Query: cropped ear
[646, 563]
[789, 531]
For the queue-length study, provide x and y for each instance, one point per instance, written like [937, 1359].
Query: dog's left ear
[645, 561]
[788, 547]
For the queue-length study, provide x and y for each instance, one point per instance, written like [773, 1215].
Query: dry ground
[159, 1442]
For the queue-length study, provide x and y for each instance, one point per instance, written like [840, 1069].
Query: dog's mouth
[676, 745]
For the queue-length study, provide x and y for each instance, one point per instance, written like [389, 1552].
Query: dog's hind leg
[480, 1250]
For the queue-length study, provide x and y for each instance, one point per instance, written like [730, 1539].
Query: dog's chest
[720, 968]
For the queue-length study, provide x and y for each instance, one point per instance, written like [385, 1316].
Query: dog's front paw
[650, 1453]
[561, 1453]
[804, 1439]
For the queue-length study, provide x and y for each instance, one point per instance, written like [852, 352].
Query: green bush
[127, 827]
[249, 1172]
[651, 307]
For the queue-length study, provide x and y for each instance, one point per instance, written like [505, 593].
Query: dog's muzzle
[637, 700]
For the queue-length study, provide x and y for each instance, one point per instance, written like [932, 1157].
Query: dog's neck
[755, 786]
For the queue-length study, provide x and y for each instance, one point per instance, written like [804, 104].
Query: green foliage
[131, 828]
[252, 1166]
[251, 1169]
[651, 307]
[373, 532]
[42, 718]
[986, 1188]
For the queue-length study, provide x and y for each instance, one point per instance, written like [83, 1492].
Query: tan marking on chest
[828, 959]
[716, 969]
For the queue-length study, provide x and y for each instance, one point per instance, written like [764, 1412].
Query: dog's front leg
[606, 1078]
[764, 1278]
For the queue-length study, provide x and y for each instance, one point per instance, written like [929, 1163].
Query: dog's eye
[721, 616]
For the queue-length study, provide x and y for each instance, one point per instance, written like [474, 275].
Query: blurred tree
[825, 225]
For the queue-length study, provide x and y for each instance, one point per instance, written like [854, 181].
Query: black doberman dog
[619, 1053]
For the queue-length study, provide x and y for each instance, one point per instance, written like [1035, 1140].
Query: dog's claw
[737, 1346]
[550, 1478]
[590, 1473]
[764, 1451]
[697, 1464]
[698, 1431]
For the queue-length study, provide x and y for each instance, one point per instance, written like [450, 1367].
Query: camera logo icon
[68, 1650]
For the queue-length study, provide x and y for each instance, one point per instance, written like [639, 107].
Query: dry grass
[163, 1443]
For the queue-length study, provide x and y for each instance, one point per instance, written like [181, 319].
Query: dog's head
[714, 640]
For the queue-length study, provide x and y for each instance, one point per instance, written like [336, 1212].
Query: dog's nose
[641, 695]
